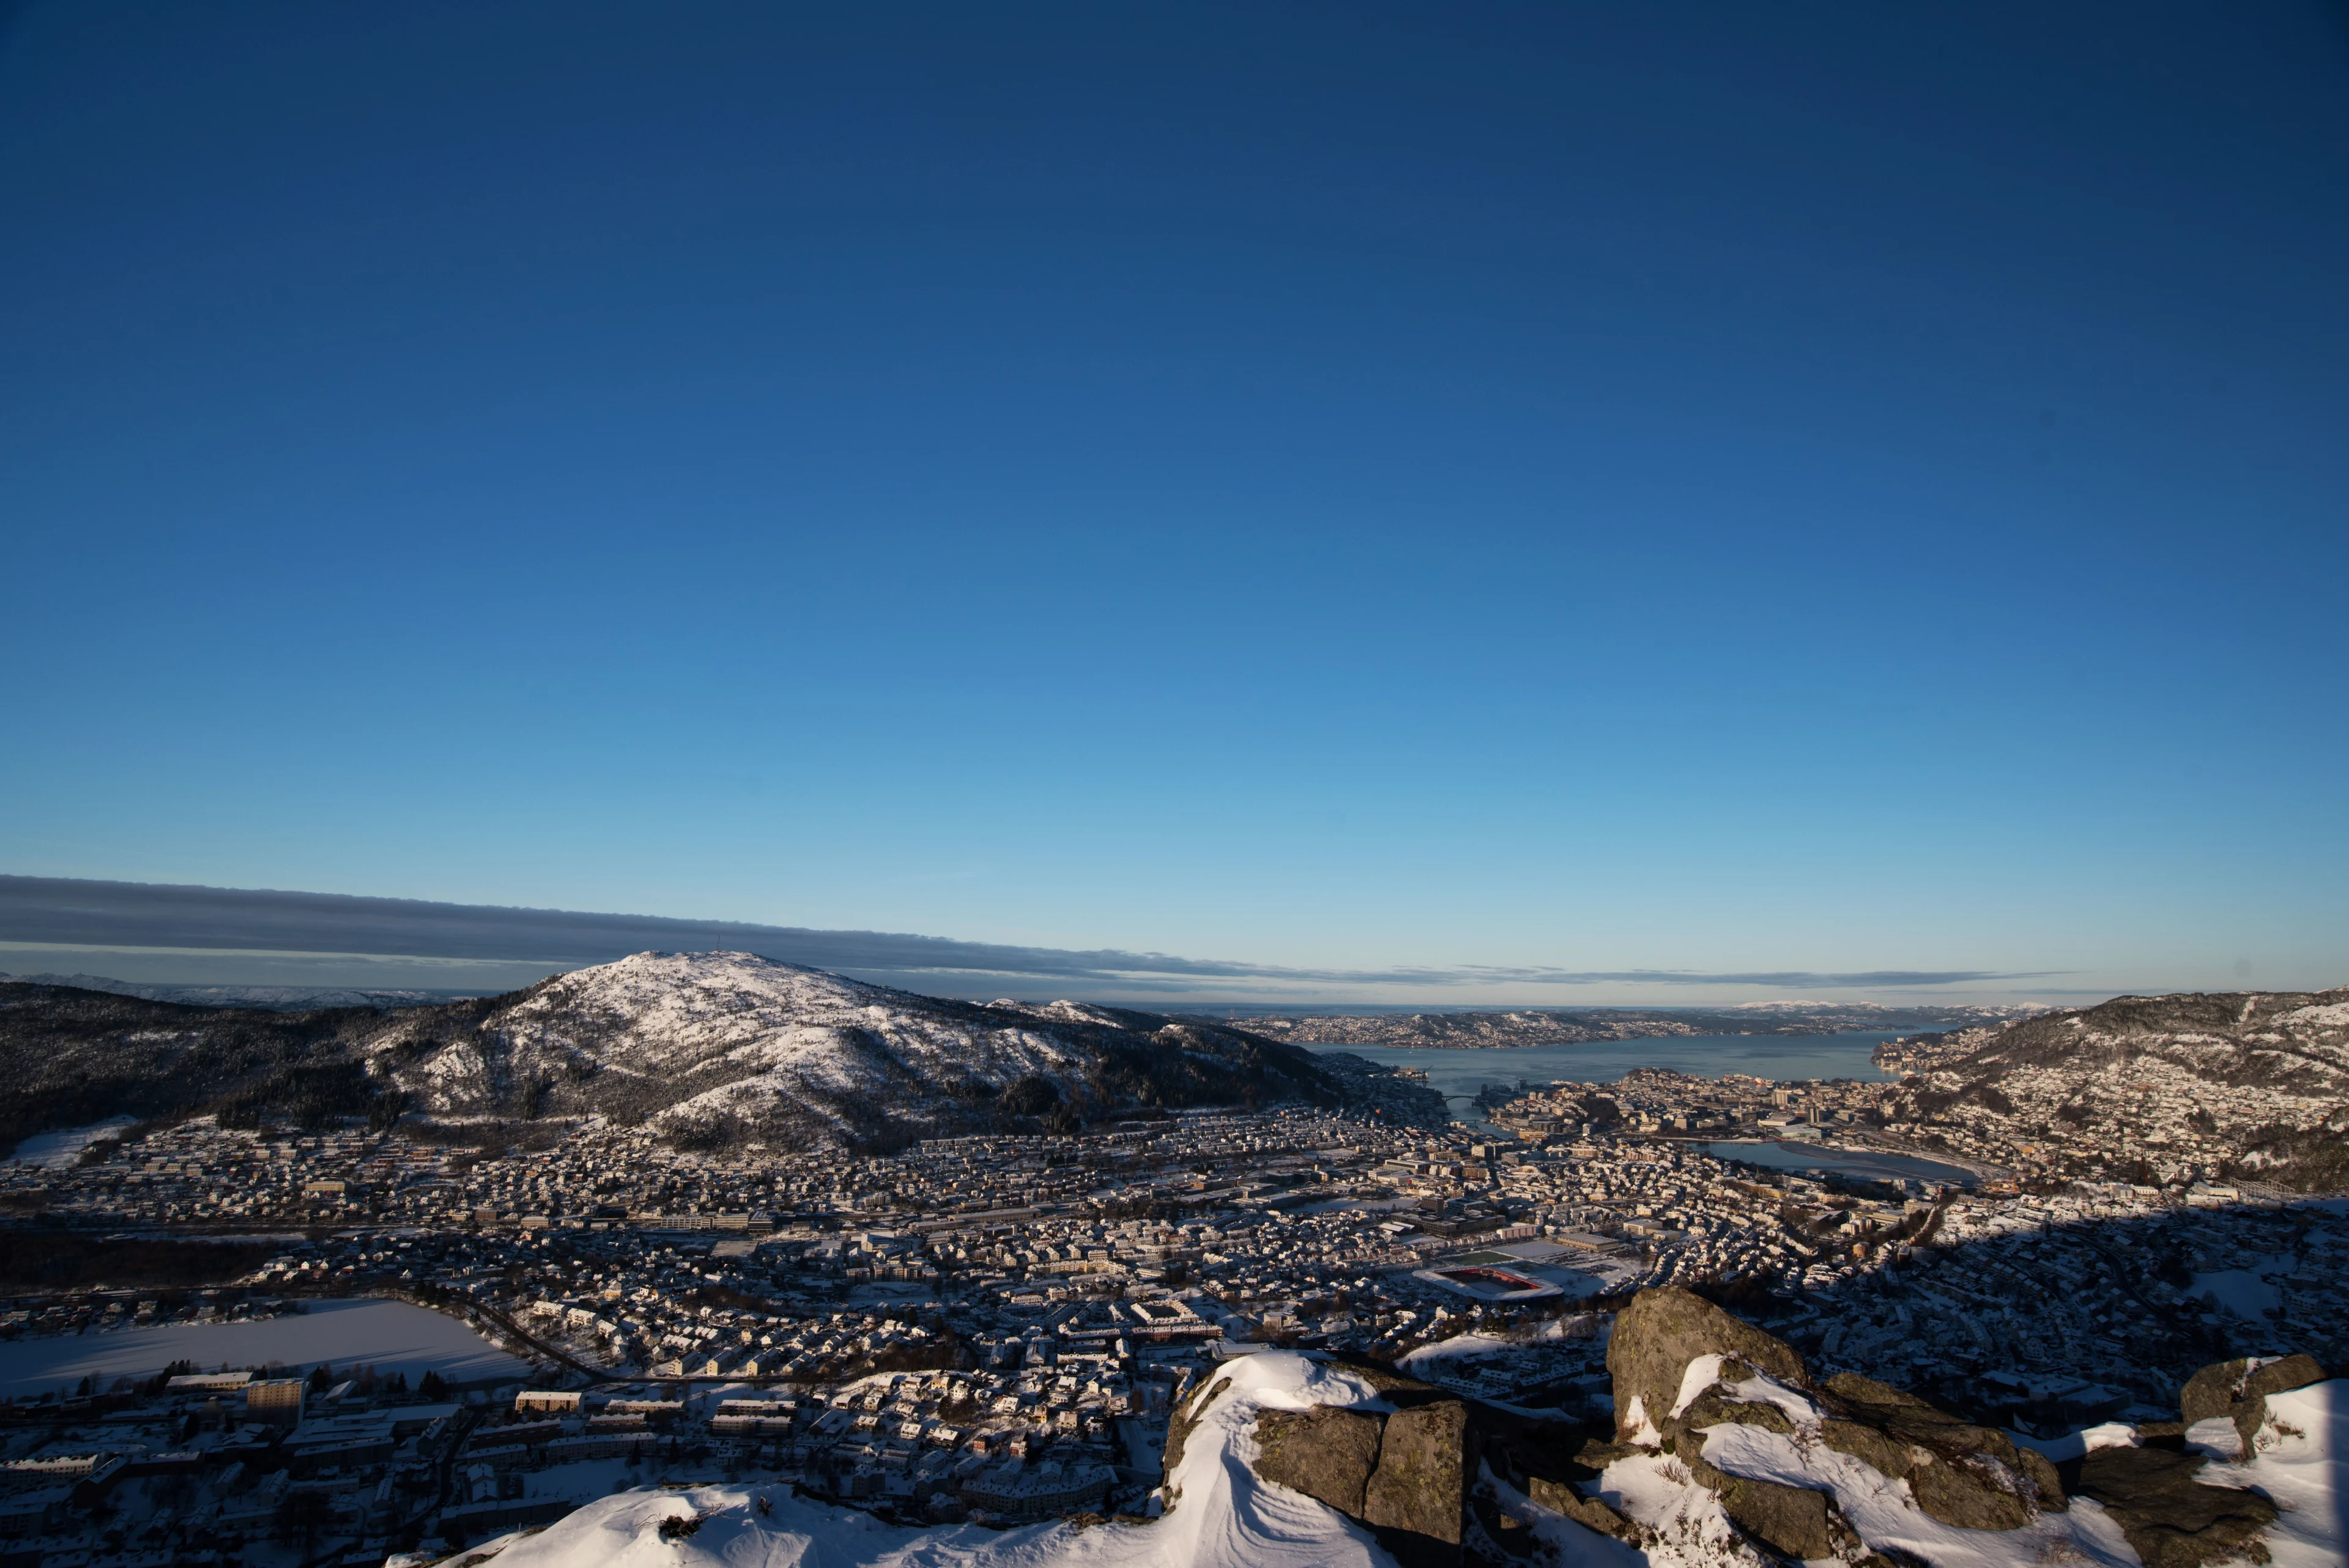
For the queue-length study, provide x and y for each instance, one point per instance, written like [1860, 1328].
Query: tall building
[277, 1400]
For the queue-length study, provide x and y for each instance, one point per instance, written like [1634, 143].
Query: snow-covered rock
[2296, 1463]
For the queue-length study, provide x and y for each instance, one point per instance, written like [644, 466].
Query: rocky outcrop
[1413, 1475]
[1425, 1459]
[2170, 1519]
[1189, 1406]
[1326, 1454]
[1957, 1473]
[2236, 1392]
[1792, 1520]
[1561, 1496]
[1976, 1477]
[1961, 1474]
[1702, 1396]
[1408, 1472]
[1661, 1332]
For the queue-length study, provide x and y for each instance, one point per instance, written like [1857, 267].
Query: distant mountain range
[271, 997]
[1546, 1026]
[710, 1048]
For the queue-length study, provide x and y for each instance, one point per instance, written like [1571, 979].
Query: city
[998, 1328]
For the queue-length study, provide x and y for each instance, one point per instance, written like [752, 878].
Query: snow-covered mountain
[718, 1046]
[2253, 1084]
[2297, 1042]
[710, 1048]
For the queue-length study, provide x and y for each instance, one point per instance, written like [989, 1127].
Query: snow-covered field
[60, 1149]
[2244, 1292]
[391, 1336]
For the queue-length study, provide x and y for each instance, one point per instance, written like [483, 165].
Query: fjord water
[1458, 1075]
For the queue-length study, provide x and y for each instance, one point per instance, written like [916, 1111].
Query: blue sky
[1341, 488]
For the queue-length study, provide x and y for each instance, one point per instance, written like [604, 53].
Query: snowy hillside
[726, 1046]
[2253, 1086]
[2289, 1042]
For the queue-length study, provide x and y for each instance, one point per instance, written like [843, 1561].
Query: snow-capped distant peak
[726, 1045]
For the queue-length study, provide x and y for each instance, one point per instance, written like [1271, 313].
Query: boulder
[2171, 1519]
[1560, 1496]
[1420, 1484]
[1961, 1474]
[1969, 1476]
[1397, 1389]
[1887, 1456]
[1408, 1475]
[1709, 1409]
[2237, 1391]
[2210, 1392]
[1324, 1453]
[1595, 1455]
[1789, 1520]
[2040, 1471]
[1552, 1465]
[2283, 1376]
[1972, 1493]
[1661, 1331]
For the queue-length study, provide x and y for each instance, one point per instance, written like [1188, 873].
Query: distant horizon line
[1201, 1008]
[212, 936]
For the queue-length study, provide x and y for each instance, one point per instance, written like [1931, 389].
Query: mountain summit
[718, 1047]
[711, 1049]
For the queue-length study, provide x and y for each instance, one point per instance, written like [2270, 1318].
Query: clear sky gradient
[1343, 488]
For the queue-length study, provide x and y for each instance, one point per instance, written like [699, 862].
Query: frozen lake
[391, 1336]
[1868, 1164]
